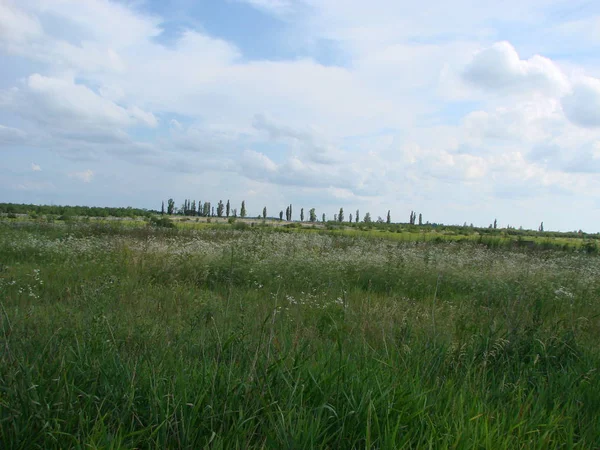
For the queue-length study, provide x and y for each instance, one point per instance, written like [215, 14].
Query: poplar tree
[341, 215]
[162, 209]
[421, 219]
[301, 214]
[280, 215]
[389, 217]
[313, 215]
[265, 212]
[227, 209]
[243, 209]
[357, 217]
[220, 208]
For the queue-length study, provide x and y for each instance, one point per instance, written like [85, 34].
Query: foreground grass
[114, 338]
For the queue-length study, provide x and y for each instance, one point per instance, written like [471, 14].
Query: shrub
[161, 222]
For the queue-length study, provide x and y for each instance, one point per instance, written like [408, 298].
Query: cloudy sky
[467, 110]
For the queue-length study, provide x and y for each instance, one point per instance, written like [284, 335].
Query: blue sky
[465, 111]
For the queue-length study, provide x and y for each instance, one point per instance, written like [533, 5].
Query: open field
[124, 336]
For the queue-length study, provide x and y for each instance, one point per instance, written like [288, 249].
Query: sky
[464, 111]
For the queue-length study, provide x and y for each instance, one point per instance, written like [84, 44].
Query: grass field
[119, 336]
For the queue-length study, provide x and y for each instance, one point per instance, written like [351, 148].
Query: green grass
[116, 336]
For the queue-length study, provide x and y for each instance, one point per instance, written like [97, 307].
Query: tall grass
[159, 338]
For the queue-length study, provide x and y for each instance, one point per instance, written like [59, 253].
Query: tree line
[206, 209]
[81, 211]
[224, 210]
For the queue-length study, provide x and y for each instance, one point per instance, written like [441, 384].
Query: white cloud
[85, 176]
[586, 29]
[582, 105]
[499, 68]
[11, 136]
[525, 122]
[66, 106]
[16, 26]
[276, 7]
[35, 167]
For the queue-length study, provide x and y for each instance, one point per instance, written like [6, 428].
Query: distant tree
[162, 209]
[199, 208]
[301, 214]
[420, 219]
[206, 209]
[212, 214]
[350, 218]
[280, 215]
[220, 208]
[389, 217]
[541, 228]
[234, 212]
[341, 215]
[367, 218]
[265, 212]
[335, 217]
[357, 216]
[291, 214]
[243, 209]
[495, 224]
[312, 215]
[193, 208]
[379, 219]
[170, 206]
[228, 208]
[323, 217]
[287, 213]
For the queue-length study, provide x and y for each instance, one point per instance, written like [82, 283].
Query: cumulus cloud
[315, 147]
[85, 176]
[499, 68]
[582, 104]
[65, 104]
[35, 167]
[16, 26]
[525, 122]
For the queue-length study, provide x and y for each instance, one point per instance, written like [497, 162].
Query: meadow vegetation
[236, 336]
